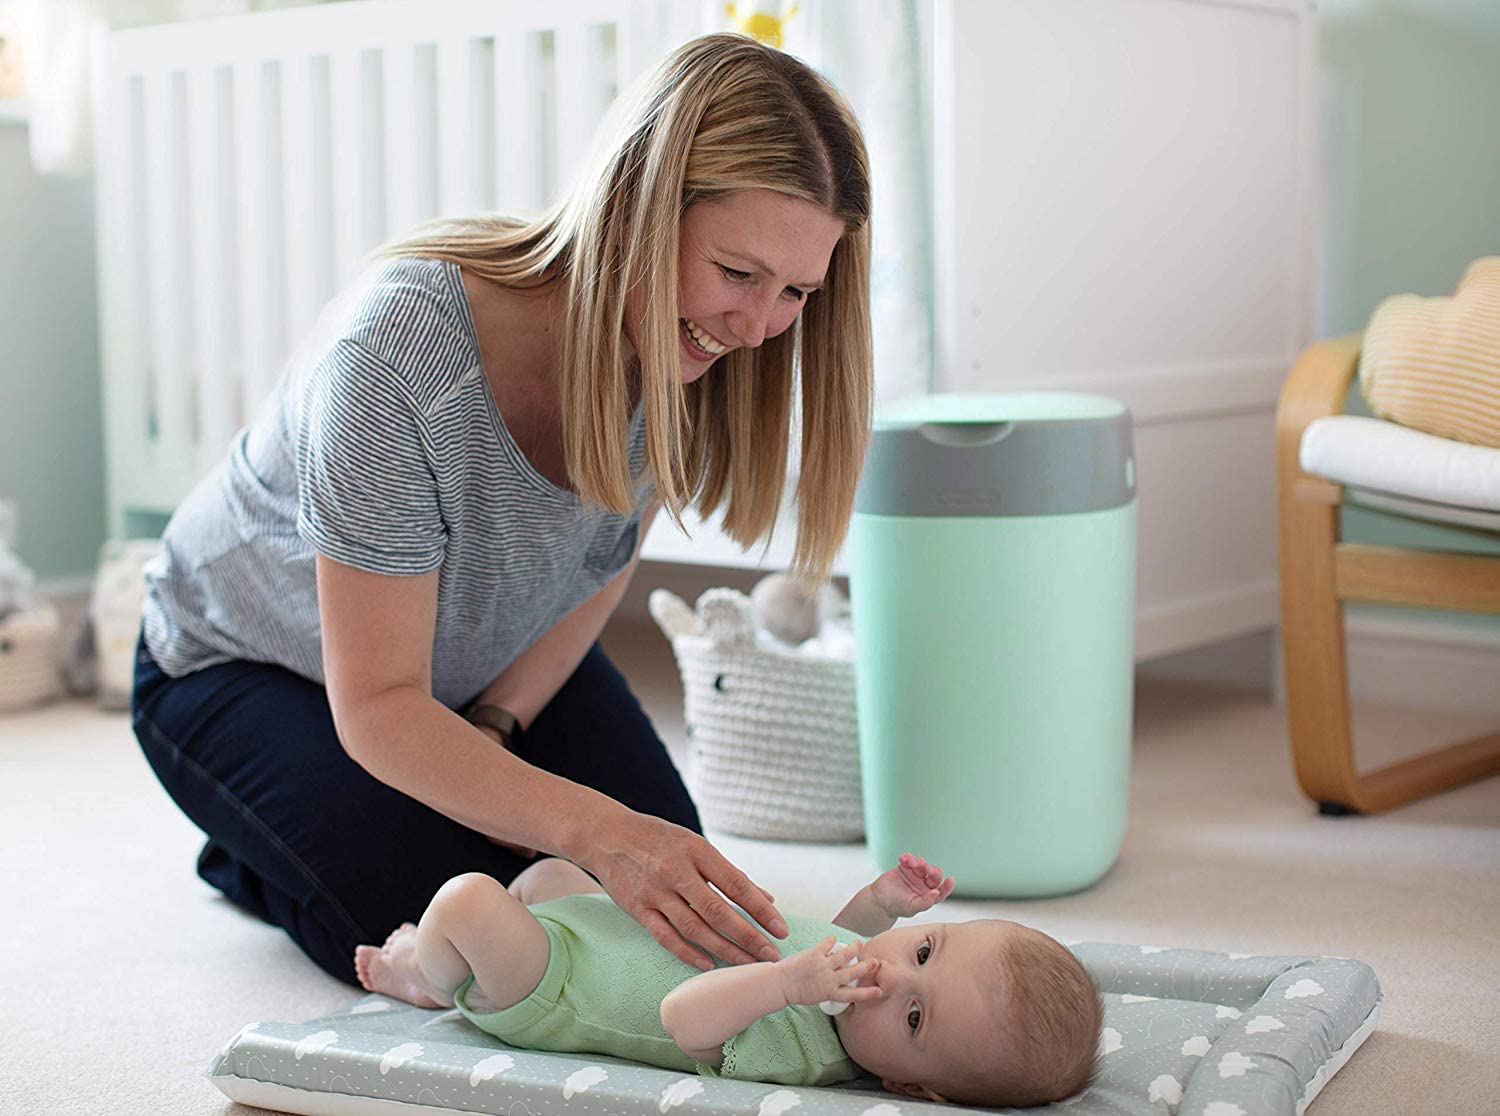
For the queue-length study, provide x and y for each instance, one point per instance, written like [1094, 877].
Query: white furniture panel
[1125, 204]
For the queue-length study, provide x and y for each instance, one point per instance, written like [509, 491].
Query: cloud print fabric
[1186, 1033]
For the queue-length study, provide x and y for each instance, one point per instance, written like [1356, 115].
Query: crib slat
[518, 151]
[455, 110]
[117, 235]
[259, 348]
[347, 165]
[171, 385]
[211, 364]
[300, 232]
[403, 206]
[575, 87]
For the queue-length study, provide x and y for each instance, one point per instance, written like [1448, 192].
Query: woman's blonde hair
[721, 113]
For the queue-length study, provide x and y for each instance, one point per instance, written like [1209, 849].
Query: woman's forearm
[410, 741]
[701, 1013]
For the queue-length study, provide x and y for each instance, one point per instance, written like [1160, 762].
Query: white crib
[246, 165]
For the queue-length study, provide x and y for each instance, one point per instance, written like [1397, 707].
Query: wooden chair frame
[1319, 573]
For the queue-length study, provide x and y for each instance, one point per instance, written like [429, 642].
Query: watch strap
[493, 716]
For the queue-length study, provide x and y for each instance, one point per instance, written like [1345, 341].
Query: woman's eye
[921, 957]
[731, 273]
[914, 1017]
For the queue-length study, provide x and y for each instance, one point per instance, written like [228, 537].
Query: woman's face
[745, 265]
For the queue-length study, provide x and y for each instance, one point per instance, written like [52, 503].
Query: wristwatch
[502, 721]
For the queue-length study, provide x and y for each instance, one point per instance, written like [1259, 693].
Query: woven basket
[30, 657]
[774, 734]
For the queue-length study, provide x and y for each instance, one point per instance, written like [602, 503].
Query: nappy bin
[992, 578]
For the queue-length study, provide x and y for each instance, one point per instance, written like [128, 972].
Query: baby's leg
[551, 878]
[473, 925]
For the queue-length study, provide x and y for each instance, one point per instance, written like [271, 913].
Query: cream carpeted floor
[123, 975]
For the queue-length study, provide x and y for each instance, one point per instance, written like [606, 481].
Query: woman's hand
[815, 975]
[911, 887]
[664, 877]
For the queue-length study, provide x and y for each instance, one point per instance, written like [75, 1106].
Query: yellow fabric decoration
[1434, 363]
[762, 25]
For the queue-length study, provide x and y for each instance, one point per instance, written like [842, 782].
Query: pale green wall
[1411, 155]
[51, 436]
[1411, 149]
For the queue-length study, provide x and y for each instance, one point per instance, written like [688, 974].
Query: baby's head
[985, 1012]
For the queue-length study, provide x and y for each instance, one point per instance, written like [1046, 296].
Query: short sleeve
[366, 492]
[793, 1046]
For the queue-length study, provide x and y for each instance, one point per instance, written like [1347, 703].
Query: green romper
[606, 978]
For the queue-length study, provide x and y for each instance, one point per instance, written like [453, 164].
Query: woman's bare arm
[377, 653]
[377, 661]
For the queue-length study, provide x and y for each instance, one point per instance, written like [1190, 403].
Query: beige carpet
[123, 975]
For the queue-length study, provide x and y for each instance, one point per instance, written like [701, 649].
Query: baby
[986, 1012]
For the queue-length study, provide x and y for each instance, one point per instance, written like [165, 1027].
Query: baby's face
[938, 1004]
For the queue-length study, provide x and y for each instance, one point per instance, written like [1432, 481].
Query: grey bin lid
[1027, 453]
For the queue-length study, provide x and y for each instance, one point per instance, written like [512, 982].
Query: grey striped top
[382, 448]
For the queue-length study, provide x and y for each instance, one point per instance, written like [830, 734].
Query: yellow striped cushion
[1434, 363]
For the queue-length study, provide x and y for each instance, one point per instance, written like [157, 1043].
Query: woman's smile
[700, 344]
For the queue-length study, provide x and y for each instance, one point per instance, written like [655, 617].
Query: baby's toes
[362, 957]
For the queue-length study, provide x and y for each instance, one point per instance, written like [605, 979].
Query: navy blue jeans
[302, 836]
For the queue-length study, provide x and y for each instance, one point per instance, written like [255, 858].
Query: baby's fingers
[848, 954]
[850, 994]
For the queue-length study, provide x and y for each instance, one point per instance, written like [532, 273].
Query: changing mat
[1200, 1034]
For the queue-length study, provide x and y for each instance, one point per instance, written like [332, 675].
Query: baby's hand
[911, 887]
[815, 975]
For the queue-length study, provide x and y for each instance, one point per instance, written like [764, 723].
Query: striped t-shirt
[382, 448]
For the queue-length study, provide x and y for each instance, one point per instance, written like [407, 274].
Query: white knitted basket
[30, 657]
[774, 734]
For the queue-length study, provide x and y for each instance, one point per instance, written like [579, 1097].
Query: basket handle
[672, 614]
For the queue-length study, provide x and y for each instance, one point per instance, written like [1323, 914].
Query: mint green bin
[992, 577]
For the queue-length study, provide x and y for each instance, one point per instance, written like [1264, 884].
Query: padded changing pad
[1185, 1032]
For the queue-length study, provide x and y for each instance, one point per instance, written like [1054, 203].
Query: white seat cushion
[1371, 453]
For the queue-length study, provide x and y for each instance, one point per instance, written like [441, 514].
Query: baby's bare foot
[392, 970]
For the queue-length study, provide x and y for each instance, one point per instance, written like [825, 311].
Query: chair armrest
[1319, 381]
[1316, 386]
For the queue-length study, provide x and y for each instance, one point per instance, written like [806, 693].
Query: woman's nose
[749, 326]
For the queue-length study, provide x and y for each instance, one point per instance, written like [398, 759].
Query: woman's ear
[921, 1092]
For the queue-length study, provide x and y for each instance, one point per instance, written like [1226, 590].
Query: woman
[407, 559]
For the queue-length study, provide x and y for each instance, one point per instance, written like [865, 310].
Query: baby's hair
[1050, 1013]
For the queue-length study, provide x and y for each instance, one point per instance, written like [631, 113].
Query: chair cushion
[1374, 454]
[1434, 363]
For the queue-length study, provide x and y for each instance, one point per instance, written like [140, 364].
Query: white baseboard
[1246, 662]
[1416, 662]
[1423, 662]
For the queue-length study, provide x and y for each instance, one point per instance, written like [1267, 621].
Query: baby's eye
[914, 1017]
[921, 957]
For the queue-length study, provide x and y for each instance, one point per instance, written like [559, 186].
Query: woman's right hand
[664, 875]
